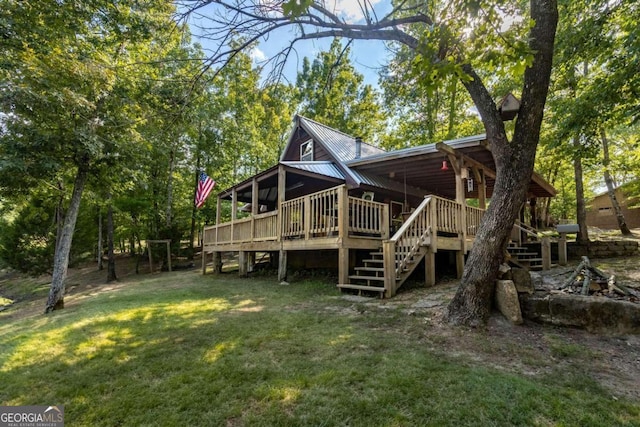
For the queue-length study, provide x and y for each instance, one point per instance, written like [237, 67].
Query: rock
[507, 301]
[595, 314]
[504, 272]
[522, 280]
[284, 283]
[536, 279]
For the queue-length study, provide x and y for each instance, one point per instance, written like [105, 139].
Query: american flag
[205, 185]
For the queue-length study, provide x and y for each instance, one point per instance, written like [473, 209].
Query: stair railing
[407, 241]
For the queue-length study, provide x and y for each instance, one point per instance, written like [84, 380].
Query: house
[374, 215]
[600, 211]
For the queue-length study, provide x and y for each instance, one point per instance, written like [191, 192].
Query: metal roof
[323, 168]
[470, 141]
[343, 146]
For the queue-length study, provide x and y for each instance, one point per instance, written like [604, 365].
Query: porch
[334, 220]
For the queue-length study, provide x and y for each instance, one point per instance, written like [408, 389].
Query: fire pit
[588, 298]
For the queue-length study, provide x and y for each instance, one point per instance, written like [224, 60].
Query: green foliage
[27, 243]
[330, 91]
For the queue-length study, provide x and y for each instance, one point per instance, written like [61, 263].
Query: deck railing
[368, 218]
[313, 216]
[474, 215]
[434, 215]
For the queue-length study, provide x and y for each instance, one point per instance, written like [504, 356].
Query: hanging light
[444, 167]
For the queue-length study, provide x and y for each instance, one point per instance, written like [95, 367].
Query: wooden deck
[331, 219]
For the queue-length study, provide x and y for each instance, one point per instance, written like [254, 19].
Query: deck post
[389, 257]
[282, 181]
[251, 261]
[546, 253]
[282, 265]
[562, 249]
[459, 263]
[343, 212]
[430, 267]
[217, 262]
[204, 260]
[385, 222]
[242, 264]
[343, 265]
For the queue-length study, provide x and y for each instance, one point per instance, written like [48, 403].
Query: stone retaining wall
[603, 249]
[595, 314]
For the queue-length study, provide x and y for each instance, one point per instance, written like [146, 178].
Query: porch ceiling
[422, 167]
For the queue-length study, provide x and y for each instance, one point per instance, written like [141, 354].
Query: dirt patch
[530, 349]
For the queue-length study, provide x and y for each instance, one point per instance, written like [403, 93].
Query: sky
[367, 56]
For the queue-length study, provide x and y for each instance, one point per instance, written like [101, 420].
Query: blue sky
[366, 56]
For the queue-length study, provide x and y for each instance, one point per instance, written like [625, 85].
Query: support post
[282, 265]
[384, 222]
[217, 262]
[343, 265]
[343, 212]
[150, 258]
[204, 261]
[242, 264]
[169, 254]
[389, 262]
[562, 249]
[251, 261]
[459, 263]
[546, 253]
[430, 267]
[282, 182]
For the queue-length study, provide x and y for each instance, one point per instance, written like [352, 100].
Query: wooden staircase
[385, 271]
[524, 257]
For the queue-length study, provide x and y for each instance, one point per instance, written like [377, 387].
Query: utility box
[568, 228]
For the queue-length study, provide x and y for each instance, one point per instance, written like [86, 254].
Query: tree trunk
[169, 211]
[61, 258]
[100, 266]
[581, 208]
[59, 214]
[622, 223]
[194, 209]
[514, 166]
[111, 265]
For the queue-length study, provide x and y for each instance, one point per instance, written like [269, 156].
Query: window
[604, 211]
[306, 151]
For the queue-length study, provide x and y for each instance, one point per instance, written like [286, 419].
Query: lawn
[189, 350]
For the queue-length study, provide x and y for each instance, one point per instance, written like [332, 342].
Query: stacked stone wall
[603, 249]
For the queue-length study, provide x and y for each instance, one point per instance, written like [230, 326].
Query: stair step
[526, 254]
[375, 269]
[377, 261]
[375, 278]
[362, 288]
[530, 259]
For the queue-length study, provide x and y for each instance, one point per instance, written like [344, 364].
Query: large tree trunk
[514, 166]
[622, 223]
[111, 264]
[63, 248]
[581, 207]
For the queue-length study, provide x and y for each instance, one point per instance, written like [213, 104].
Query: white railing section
[367, 218]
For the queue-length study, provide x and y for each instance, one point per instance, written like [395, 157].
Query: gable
[328, 144]
[293, 149]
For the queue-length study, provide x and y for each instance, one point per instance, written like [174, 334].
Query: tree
[597, 43]
[63, 98]
[452, 39]
[330, 91]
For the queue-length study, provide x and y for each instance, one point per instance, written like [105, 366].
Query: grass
[184, 349]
